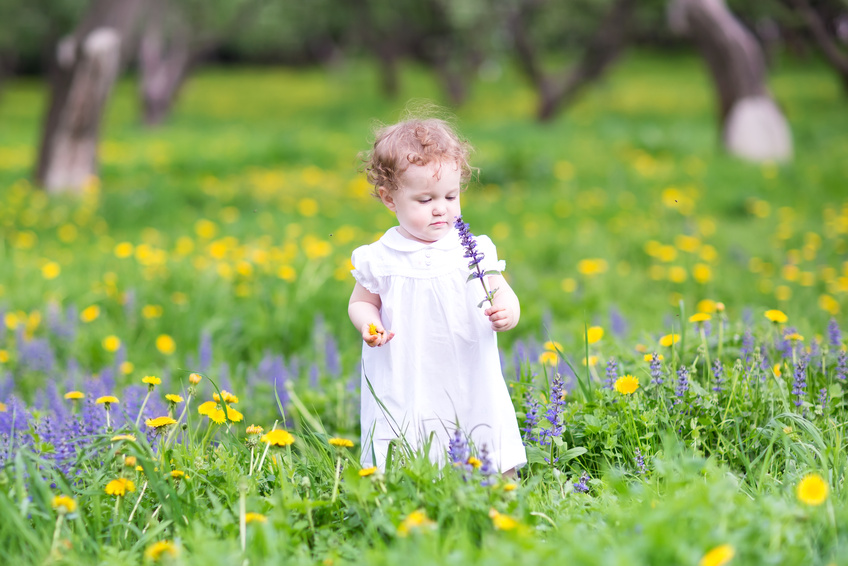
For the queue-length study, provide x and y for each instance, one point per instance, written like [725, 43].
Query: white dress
[442, 369]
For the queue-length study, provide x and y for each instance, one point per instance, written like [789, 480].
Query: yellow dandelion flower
[812, 490]
[341, 442]
[255, 518]
[718, 556]
[74, 395]
[174, 398]
[417, 520]
[195, 378]
[593, 361]
[794, 337]
[365, 472]
[178, 474]
[234, 415]
[128, 437]
[3, 408]
[107, 400]
[254, 429]
[111, 343]
[278, 438]
[776, 316]
[217, 416]
[159, 422]
[151, 380]
[120, 487]
[474, 462]
[594, 334]
[669, 339]
[552, 346]
[707, 306]
[502, 522]
[159, 550]
[4, 356]
[228, 397]
[649, 357]
[700, 317]
[207, 408]
[90, 313]
[130, 461]
[510, 487]
[776, 370]
[548, 358]
[51, 270]
[165, 344]
[64, 504]
[627, 384]
[372, 329]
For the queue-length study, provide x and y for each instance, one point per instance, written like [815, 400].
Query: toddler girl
[430, 353]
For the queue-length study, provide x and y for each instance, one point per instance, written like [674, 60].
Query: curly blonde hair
[419, 141]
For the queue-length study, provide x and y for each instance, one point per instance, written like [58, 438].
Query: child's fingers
[492, 310]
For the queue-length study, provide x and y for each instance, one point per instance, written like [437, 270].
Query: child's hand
[375, 335]
[502, 317]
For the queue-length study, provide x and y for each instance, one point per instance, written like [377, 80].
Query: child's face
[426, 201]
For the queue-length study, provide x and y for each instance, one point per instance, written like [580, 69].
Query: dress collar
[393, 239]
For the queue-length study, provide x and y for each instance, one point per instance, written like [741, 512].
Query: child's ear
[388, 198]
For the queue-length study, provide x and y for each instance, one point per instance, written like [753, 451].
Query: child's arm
[505, 311]
[364, 310]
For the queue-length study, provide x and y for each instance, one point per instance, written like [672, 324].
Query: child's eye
[424, 201]
[451, 198]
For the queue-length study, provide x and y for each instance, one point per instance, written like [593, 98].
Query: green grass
[238, 218]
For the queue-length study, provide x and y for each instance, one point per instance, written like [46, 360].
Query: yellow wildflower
[718, 556]
[341, 442]
[64, 504]
[365, 472]
[417, 520]
[278, 438]
[120, 487]
[74, 395]
[474, 462]
[626, 384]
[649, 357]
[548, 358]
[195, 378]
[776, 370]
[151, 380]
[254, 429]
[228, 397]
[159, 422]
[794, 337]
[106, 400]
[111, 343]
[594, 334]
[372, 329]
[166, 344]
[776, 316]
[178, 474]
[552, 346]
[669, 339]
[255, 518]
[207, 408]
[812, 490]
[174, 398]
[128, 437]
[162, 548]
[502, 522]
[89, 314]
[510, 487]
[130, 461]
[700, 317]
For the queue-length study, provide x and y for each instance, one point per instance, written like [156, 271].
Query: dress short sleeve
[490, 253]
[362, 260]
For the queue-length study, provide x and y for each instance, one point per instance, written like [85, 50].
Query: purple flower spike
[475, 257]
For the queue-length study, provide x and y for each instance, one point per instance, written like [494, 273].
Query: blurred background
[180, 186]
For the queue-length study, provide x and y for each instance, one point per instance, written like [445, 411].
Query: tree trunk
[828, 44]
[606, 45]
[752, 125]
[87, 65]
[163, 68]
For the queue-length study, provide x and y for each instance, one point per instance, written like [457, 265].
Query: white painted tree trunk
[69, 148]
[752, 125]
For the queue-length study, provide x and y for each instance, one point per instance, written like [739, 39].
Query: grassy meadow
[678, 372]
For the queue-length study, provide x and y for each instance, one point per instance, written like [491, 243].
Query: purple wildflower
[489, 471]
[718, 375]
[682, 384]
[656, 369]
[555, 406]
[641, 467]
[799, 384]
[815, 347]
[618, 323]
[747, 346]
[458, 451]
[204, 352]
[580, 486]
[834, 333]
[474, 256]
[531, 419]
[783, 344]
[841, 365]
[823, 399]
[612, 373]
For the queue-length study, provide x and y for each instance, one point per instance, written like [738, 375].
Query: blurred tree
[827, 23]
[178, 35]
[607, 40]
[87, 63]
[752, 125]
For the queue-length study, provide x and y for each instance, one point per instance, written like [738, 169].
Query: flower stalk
[475, 257]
